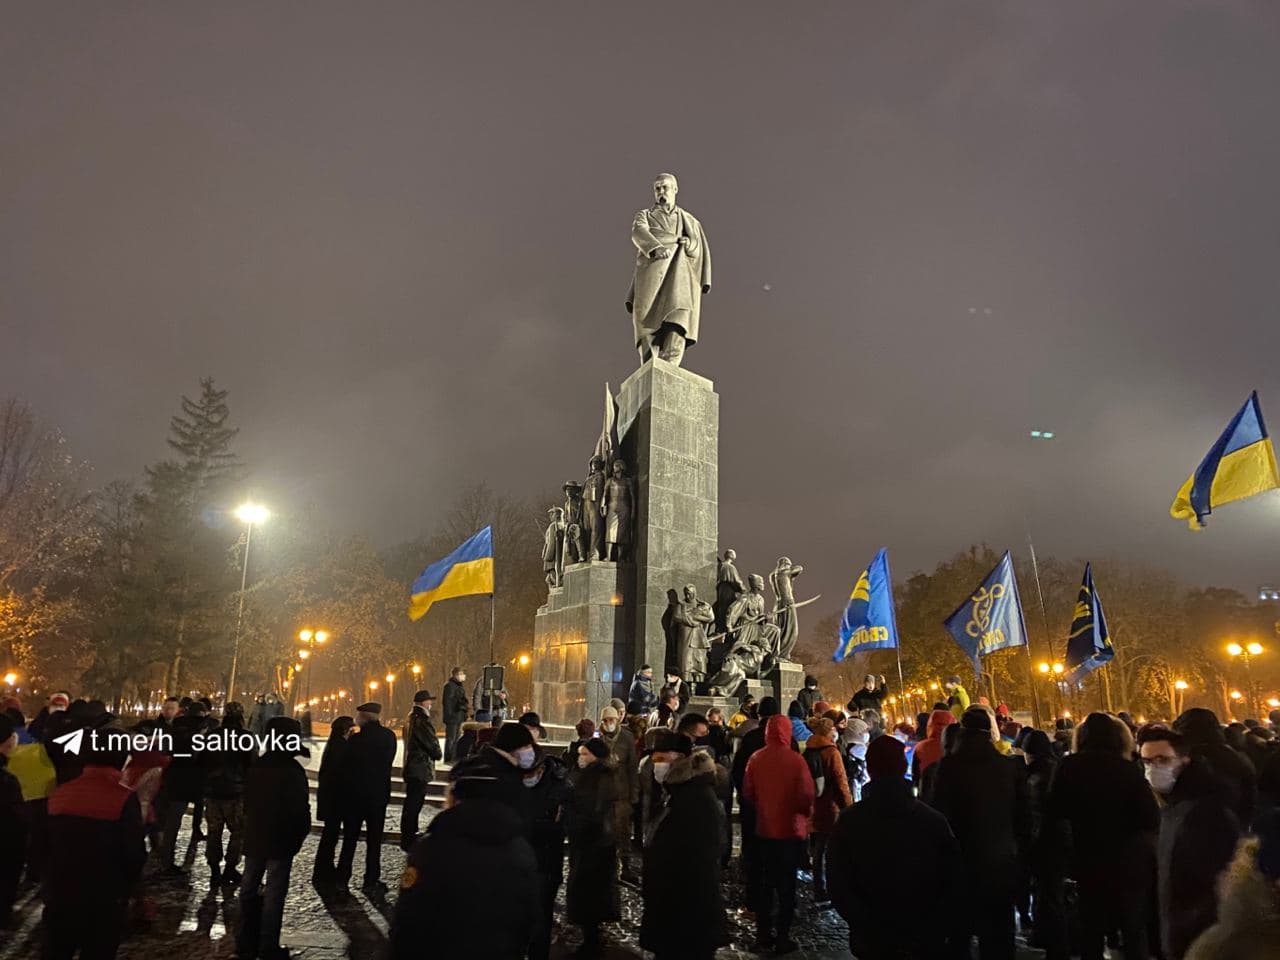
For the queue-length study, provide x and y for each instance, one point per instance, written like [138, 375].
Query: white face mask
[533, 780]
[525, 757]
[609, 726]
[859, 751]
[660, 770]
[583, 762]
[1162, 779]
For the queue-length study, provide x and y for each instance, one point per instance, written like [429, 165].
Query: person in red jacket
[780, 790]
[929, 750]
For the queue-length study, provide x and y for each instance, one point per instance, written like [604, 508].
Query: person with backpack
[831, 795]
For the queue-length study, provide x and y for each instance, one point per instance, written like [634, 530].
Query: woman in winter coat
[831, 793]
[591, 895]
[329, 798]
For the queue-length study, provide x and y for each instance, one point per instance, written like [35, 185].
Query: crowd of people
[1159, 840]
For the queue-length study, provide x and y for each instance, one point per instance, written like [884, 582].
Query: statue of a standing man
[689, 621]
[729, 587]
[593, 509]
[782, 580]
[673, 271]
[619, 513]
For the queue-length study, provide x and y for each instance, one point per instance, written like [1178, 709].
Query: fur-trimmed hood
[686, 768]
[1248, 926]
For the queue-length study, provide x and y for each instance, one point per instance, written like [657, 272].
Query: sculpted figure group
[596, 522]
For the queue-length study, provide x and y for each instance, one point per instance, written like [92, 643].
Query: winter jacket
[626, 774]
[961, 697]
[800, 731]
[366, 767]
[778, 786]
[864, 699]
[1113, 818]
[277, 807]
[984, 798]
[683, 896]
[929, 750]
[453, 700]
[13, 820]
[469, 881]
[1198, 834]
[95, 841]
[807, 697]
[591, 895]
[717, 739]
[331, 791]
[421, 747]
[542, 804]
[835, 794]
[882, 846]
[469, 742]
[226, 770]
[641, 699]
[1248, 926]
[184, 779]
[1207, 741]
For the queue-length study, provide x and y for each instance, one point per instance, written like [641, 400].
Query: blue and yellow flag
[868, 622]
[466, 571]
[1242, 463]
[1089, 646]
[991, 619]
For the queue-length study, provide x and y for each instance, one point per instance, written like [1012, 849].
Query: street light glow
[1255, 648]
[1234, 649]
[415, 669]
[524, 659]
[10, 678]
[373, 684]
[322, 636]
[254, 514]
[304, 654]
[1237, 695]
[1180, 685]
[1058, 668]
[305, 636]
[1273, 702]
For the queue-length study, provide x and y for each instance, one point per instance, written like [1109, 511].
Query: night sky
[399, 234]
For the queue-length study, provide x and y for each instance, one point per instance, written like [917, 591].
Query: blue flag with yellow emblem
[1089, 646]
[1241, 464]
[466, 571]
[991, 619]
[868, 622]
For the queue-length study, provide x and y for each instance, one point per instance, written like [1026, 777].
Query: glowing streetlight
[391, 678]
[304, 654]
[1043, 667]
[251, 515]
[322, 636]
[1234, 649]
[1058, 668]
[416, 671]
[305, 635]
[524, 660]
[1180, 685]
[373, 684]
[1273, 702]
[10, 679]
[1254, 649]
[342, 694]
[1237, 695]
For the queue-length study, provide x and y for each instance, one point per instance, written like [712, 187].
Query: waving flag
[1089, 645]
[466, 571]
[991, 619]
[1241, 464]
[868, 622]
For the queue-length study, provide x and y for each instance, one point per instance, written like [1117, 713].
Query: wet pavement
[193, 921]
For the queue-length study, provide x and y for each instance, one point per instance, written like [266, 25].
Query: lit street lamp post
[248, 514]
[311, 638]
[1247, 653]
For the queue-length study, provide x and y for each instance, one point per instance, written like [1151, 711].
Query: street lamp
[391, 690]
[250, 514]
[311, 638]
[1247, 653]
[10, 679]
[1058, 668]
[1180, 687]
[1043, 667]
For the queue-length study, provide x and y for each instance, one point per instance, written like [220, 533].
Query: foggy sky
[399, 235]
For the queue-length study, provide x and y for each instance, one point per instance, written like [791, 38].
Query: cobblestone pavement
[194, 921]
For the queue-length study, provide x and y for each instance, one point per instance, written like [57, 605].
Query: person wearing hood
[751, 741]
[1198, 835]
[626, 783]
[331, 799]
[474, 858]
[780, 789]
[883, 845]
[642, 700]
[1101, 793]
[1248, 924]
[957, 696]
[800, 731]
[591, 895]
[983, 796]
[366, 777]
[1207, 742]
[856, 739]
[470, 740]
[809, 695]
[546, 787]
[684, 910]
[929, 750]
[277, 809]
[831, 795]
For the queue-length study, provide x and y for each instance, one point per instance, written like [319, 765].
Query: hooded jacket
[277, 807]
[929, 750]
[836, 794]
[1248, 926]
[1208, 742]
[778, 786]
[641, 699]
[683, 896]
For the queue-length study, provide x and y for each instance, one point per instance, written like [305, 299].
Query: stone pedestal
[668, 422]
[789, 681]
[583, 642]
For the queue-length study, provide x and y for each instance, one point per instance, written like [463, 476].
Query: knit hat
[768, 707]
[585, 728]
[512, 736]
[857, 728]
[820, 708]
[886, 759]
[608, 713]
[597, 748]
[668, 741]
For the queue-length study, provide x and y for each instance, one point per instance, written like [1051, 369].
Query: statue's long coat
[668, 290]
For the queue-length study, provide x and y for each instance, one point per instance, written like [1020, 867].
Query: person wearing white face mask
[591, 895]
[1198, 834]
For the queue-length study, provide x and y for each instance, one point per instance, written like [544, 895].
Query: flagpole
[1044, 613]
[1036, 716]
[902, 687]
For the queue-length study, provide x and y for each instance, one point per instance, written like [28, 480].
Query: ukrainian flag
[1242, 463]
[466, 571]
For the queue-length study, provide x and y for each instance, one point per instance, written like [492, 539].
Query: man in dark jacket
[226, 770]
[642, 699]
[421, 751]
[95, 855]
[473, 859]
[546, 787]
[277, 820]
[1198, 834]
[809, 695]
[13, 823]
[1206, 741]
[366, 776]
[454, 708]
[684, 915]
[183, 783]
[886, 844]
[983, 796]
[869, 696]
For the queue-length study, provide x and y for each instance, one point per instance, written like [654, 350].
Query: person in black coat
[887, 843]
[870, 696]
[1101, 794]
[642, 699]
[983, 796]
[546, 786]
[366, 784]
[1206, 741]
[591, 897]
[453, 709]
[466, 886]
[277, 809]
[684, 914]
[809, 695]
[13, 824]
[225, 773]
[421, 752]
[183, 783]
[95, 856]
[1198, 834]
[1044, 863]
[331, 799]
